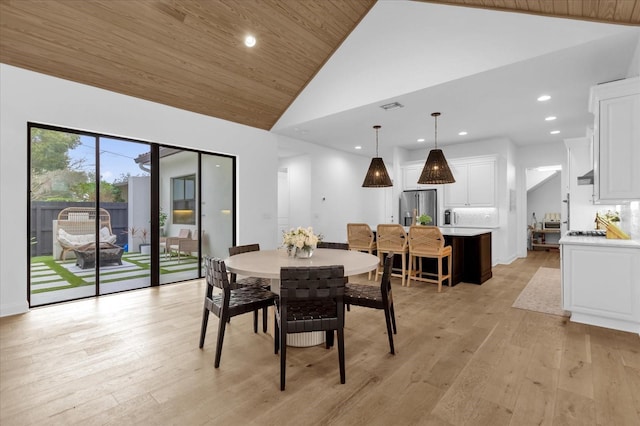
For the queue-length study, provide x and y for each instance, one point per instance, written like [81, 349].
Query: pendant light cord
[435, 116]
[377, 128]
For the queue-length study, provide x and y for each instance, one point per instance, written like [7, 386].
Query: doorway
[544, 207]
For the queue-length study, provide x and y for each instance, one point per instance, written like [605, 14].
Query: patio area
[56, 280]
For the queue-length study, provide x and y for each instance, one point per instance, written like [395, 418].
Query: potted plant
[424, 219]
[144, 247]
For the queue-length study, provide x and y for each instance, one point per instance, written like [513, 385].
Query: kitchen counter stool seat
[392, 238]
[428, 242]
[361, 238]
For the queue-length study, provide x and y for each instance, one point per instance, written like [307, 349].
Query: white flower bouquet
[300, 241]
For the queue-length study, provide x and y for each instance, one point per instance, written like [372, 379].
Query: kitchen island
[601, 281]
[471, 254]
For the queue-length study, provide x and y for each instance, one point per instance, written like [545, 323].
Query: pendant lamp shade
[377, 176]
[436, 170]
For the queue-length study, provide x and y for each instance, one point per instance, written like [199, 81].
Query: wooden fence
[44, 213]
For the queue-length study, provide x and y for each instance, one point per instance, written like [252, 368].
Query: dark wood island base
[471, 257]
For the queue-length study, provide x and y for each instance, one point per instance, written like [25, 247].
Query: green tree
[50, 149]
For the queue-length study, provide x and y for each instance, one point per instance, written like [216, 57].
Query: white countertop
[463, 232]
[599, 241]
[459, 232]
[468, 226]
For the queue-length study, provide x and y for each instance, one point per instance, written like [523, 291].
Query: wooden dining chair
[376, 297]
[230, 303]
[392, 238]
[311, 299]
[361, 238]
[428, 242]
[250, 281]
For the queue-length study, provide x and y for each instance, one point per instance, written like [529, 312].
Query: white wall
[546, 198]
[325, 188]
[28, 96]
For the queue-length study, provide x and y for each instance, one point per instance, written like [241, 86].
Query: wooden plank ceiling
[190, 53]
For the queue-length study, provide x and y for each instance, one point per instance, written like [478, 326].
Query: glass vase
[304, 253]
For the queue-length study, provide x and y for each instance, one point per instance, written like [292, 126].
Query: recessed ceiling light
[358, 147]
[249, 41]
[550, 118]
[421, 140]
[463, 133]
[554, 132]
[544, 98]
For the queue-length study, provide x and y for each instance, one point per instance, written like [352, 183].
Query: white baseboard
[13, 309]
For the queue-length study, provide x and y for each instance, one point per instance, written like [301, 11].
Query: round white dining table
[267, 264]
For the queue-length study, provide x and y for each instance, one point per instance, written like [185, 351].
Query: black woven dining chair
[335, 246]
[250, 282]
[230, 303]
[311, 299]
[376, 297]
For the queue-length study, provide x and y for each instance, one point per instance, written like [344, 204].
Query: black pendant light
[436, 170]
[377, 176]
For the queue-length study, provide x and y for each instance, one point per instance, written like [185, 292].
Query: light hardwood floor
[463, 357]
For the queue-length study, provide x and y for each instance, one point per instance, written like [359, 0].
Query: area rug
[542, 293]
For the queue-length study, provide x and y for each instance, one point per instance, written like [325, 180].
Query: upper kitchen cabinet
[410, 175]
[616, 140]
[475, 184]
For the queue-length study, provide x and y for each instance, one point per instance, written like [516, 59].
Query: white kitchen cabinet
[410, 174]
[616, 108]
[475, 184]
[601, 284]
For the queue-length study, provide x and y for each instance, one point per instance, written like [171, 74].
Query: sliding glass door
[109, 214]
[62, 215]
[125, 192]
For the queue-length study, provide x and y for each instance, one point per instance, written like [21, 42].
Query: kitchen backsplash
[479, 217]
[630, 219]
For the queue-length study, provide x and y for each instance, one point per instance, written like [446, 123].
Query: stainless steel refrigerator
[424, 200]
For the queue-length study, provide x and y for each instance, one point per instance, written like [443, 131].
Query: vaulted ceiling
[189, 54]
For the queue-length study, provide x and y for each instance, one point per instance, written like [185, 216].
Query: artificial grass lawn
[60, 272]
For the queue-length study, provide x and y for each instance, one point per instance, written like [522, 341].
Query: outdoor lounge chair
[77, 227]
[185, 245]
[166, 243]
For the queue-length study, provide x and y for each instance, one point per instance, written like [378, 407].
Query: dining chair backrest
[392, 237]
[312, 283]
[360, 236]
[311, 299]
[335, 246]
[243, 249]
[216, 274]
[425, 239]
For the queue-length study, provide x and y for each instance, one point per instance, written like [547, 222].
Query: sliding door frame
[154, 149]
